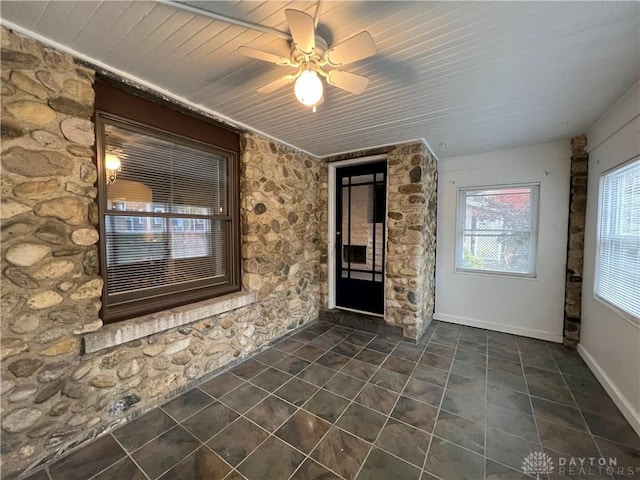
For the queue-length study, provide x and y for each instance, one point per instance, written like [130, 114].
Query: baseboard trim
[625, 406]
[499, 327]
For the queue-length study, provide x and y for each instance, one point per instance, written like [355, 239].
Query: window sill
[497, 273]
[624, 315]
[143, 326]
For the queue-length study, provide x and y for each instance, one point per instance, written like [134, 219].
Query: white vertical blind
[618, 262]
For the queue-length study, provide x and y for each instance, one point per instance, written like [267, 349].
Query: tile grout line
[298, 408]
[591, 435]
[352, 401]
[269, 435]
[387, 356]
[214, 399]
[272, 434]
[202, 444]
[486, 393]
[372, 445]
[55, 460]
[487, 403]
[240, 415]
[388, 416]
[129, 455]
[400, 394]
[161, 407]
[486, 408]
[440, 409]
[444, 391]
[334, 424]
[529, 397]
[308, 456]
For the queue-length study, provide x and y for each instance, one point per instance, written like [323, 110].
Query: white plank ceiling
[477, 76]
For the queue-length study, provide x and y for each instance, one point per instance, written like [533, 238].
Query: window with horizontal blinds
[618, 259]
[168, 221]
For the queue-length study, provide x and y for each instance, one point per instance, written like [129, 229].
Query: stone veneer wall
[411, 238]
[54, 397]
[284, 228]
[575, 243]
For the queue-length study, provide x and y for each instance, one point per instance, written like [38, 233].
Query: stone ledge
[362, 321]
[139, 327]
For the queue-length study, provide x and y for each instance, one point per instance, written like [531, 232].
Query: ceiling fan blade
[276, 84]
[351, 50]
[302, 30]
[264, 56]
[347, 81]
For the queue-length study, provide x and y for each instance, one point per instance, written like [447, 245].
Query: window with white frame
[618, 257]
[497, 229]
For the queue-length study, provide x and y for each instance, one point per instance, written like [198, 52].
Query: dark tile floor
[334, 403]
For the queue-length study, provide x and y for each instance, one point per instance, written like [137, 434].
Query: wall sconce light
[112, 166]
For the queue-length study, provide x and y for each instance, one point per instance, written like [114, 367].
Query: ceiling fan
[312, 59]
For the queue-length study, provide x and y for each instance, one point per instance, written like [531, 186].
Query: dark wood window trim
[111, 98]
[120, 108]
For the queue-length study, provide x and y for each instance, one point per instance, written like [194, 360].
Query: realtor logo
[537, 463]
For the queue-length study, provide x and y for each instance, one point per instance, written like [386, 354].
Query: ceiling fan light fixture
[312, 59]
[308, 88]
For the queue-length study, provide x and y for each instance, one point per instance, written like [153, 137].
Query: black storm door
[361, 212]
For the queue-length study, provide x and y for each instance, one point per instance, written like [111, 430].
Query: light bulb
[111, 162]
[308, 88]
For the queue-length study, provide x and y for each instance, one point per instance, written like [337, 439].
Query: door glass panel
[361, 275]
[358, 179]
[345, 227]
[362, 235]
[379, 231]
[361, 232]
[361, 216]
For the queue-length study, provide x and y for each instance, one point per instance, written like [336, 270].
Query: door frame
[331, 230]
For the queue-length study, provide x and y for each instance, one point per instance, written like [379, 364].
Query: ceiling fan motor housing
[298, 57]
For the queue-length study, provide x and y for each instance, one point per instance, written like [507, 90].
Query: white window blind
[618, 260]
[497, 229]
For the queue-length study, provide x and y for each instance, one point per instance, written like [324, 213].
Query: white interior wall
[609, 340]
[532, 307]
